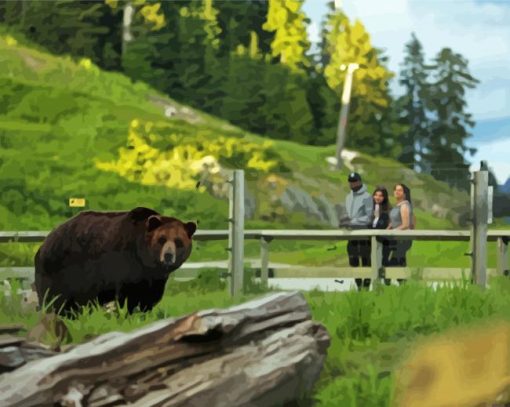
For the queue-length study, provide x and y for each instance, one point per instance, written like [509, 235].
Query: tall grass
[370, 332]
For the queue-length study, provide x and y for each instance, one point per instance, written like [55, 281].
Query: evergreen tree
[242, 103]
[79, 28]
[324, 106]
[238, 20]
[286, 106]
[181, 57]
[151, 54]
[413, 77]
[450, 127]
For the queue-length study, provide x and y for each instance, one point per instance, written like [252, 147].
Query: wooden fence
[376, 270]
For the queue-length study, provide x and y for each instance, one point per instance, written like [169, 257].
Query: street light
[342, 121]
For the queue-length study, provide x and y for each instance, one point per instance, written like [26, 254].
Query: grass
[371, 332]
[59, 116]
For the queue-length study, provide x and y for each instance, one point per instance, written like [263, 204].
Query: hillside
[68, 129]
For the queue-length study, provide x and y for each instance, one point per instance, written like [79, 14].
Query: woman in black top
[380, 220]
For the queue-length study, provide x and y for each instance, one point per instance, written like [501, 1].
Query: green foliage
[200, 51]
[413, 78]
[290, 43]
[84, 29]
[238, 21]
[449, 129]
[371, 124]
[59, 119]
[179, 163]
[371, 332]
[433, 108]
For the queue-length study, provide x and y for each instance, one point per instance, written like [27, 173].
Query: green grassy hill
[68, 129]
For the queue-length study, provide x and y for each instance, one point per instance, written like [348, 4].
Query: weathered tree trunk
[127, 18]
[261, 353]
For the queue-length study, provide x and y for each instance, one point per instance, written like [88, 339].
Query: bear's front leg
[143, 294]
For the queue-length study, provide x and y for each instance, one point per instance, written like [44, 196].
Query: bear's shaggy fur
[108, 256]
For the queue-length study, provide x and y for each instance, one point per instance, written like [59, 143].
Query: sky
[477, 29]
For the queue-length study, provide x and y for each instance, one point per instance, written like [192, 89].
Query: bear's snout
[169, 259]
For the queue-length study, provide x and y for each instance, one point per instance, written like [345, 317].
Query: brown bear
[109, 256]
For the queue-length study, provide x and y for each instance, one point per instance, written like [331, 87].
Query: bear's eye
[178, 243]
[162, 240]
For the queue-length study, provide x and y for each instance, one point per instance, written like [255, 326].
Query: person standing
[401, 218]
[381, 220]
[359, 207]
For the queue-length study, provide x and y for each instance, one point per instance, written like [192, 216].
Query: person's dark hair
[385, 205]
[407, 191]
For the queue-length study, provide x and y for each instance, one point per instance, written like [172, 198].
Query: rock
[250, 204]
[295, 199]
[328, 210]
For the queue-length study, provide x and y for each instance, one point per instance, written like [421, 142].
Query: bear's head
[168, 241]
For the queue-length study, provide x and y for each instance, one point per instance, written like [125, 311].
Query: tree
[79, 28]
[346, 43]
[238, 20]
[413, 77]
[449, 130]
[290, 43]
[286, 106]
[242, 104]
[181, 57]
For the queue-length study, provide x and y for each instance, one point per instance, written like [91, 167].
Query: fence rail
[298, 234]
[376, 270]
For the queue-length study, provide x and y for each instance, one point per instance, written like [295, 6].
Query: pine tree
[450, 127]
[241, 105]
[413, 77]
[286, 107]
[238, 20]
[79, 28]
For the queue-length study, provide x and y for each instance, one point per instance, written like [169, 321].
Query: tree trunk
[127, 18]
[262, 353]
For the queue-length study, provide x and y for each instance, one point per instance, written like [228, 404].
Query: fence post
[236, 233]
[376, 259]
[264, 259]
[502, 259]
[480, 214]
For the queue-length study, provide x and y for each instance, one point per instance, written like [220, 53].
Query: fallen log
[261, 353]
[16, 351]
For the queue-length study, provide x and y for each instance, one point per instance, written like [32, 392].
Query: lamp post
[342, 121]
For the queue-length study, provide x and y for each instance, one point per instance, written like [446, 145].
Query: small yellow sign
[76, 202]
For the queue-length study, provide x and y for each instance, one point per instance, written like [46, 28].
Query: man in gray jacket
[359, 206]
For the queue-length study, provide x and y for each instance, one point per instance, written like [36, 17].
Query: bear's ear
[153, 222]
[190, 227]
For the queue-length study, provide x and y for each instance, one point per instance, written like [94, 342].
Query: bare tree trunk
[262, 353]
[127, 18]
